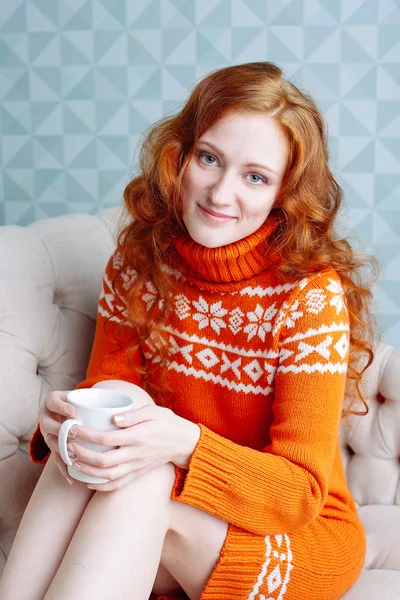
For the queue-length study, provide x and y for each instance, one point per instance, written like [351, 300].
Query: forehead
[249, 138]
[241, 122]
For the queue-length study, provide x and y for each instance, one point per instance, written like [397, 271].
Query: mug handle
[62, 439]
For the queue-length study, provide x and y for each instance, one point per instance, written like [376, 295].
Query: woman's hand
[52, 414]
[149, 437]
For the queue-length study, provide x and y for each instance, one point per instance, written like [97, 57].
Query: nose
[222, 192]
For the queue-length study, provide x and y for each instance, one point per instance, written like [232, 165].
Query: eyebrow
[246, 165]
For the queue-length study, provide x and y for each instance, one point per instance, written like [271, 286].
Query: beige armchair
[50, 274]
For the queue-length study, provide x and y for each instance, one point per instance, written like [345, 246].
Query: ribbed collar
[227, 264]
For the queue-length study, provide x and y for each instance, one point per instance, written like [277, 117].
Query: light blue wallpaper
[80, 80]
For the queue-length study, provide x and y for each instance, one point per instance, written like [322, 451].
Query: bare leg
[47, 526]
[116, 549]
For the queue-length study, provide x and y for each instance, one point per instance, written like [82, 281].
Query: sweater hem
[274, 567]
[240, 570]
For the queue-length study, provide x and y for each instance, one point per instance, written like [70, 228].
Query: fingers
[56, 402]
[104, 460]
[104, 437]
[51, 414]
[113, 473]
[146, 412]
[51, 441]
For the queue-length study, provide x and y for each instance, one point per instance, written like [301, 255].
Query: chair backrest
[371, 443]
[50, 274]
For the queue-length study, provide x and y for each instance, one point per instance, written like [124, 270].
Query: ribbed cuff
[39, 451]
[222, 478]
[210, 468]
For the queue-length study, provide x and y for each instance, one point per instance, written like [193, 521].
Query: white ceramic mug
[94, 408]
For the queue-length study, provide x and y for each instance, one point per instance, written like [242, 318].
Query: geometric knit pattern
[275, 572]
[265, 384]
[81, 81]
[234, 364]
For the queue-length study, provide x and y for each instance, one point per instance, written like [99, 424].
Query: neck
[231, 263]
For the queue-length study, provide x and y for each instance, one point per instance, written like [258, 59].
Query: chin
[210, 237]
[213, 239]
[208, 241]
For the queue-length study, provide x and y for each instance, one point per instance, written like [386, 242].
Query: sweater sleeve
[283, 487]
[113, 336]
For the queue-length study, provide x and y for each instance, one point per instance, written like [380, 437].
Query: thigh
[117, 546]
[192, 547]
[47, 526]
[165, 584]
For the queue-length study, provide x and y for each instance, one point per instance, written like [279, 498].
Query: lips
[216, 215]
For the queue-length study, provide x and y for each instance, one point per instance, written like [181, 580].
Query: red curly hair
[306, 206]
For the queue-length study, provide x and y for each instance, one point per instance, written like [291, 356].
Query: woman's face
[223, 199]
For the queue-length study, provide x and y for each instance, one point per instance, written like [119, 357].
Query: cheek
[185, 192]
[261, 209]
[187, 183]
[192, 185]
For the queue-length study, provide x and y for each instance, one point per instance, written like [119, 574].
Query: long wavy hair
[306, 206]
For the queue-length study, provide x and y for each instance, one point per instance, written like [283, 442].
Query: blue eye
[259, 176]
[202, 154]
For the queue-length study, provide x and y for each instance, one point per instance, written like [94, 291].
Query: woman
[232, 301]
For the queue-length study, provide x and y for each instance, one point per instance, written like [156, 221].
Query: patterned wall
[80, 80]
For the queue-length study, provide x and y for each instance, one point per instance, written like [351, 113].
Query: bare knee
[147, 493]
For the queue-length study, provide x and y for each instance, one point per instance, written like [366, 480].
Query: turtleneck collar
[227, 264]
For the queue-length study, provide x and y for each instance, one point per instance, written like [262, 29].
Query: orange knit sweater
[260, 365]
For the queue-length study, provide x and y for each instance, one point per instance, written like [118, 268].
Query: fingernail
[71, 452]
[119, 419]
[69, 410]
[73, 432]
[69, 481]
[77, 466]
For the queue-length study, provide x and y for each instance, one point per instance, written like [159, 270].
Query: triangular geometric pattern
[81, 81]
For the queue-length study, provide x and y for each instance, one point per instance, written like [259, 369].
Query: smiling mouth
[214, 216]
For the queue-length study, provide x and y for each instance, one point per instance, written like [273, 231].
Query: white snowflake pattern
[315, 301]
[280, 318]
[128, 277]
[236, 320]
[337, 298]
[182, 307]
[151, 296]
[117, 261]
[150, 349]
[294, 314]
[260, 321]
[210, 315]
[108, 302]
[287, 319]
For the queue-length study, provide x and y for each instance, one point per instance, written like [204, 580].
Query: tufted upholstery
[50, 273]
